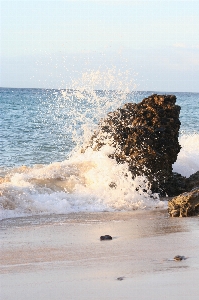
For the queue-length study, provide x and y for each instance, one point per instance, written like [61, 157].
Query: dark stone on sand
[120, 278]
[144, 135]
[179, 257]
[105, 237]
[185, 205]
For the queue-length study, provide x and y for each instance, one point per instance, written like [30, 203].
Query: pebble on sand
[105, 237]
[120, 278]
[179, 257]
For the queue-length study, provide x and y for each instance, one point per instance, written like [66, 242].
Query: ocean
[42, 168]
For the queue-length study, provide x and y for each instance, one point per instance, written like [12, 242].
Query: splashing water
[88, 104]
[188, 158]
[89, 181]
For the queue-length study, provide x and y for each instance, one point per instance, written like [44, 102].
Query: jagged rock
[185, 205]
[145, 135]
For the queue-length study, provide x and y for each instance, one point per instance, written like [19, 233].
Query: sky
[48, 44]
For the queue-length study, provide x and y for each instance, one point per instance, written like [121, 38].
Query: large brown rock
[185, 205]
[145, 135]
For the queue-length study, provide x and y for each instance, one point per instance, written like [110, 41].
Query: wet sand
[62, 257]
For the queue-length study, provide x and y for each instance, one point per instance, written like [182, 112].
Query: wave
[89, 181]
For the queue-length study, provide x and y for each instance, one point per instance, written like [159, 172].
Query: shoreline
[62, 257]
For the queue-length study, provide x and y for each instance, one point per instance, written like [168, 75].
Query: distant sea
[42, 169]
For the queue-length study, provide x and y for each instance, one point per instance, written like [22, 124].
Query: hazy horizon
[49, 44]
[136, 91]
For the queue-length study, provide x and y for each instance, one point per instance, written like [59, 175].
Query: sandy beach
[62, 257]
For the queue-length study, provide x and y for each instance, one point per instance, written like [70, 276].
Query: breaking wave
[89, 181]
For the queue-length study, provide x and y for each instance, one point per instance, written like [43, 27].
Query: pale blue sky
[48, 43]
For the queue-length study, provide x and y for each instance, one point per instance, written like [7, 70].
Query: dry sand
[62, 257]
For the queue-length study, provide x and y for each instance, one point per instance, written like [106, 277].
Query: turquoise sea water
[42, 169]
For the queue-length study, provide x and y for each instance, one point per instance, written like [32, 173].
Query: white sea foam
[188, 158]
[89, 181]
